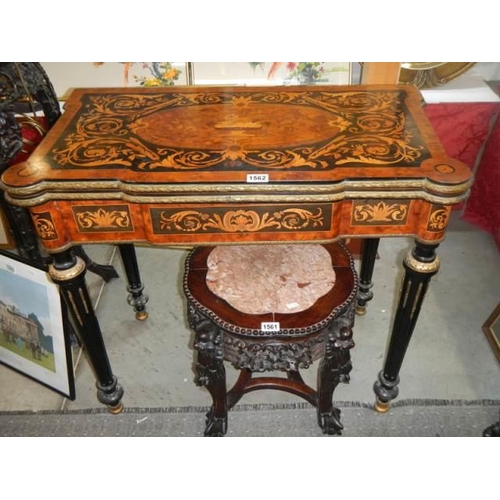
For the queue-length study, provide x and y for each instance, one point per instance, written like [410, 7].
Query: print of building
[18, 328]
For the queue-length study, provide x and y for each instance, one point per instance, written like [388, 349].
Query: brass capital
[419, 266]
[67, 274]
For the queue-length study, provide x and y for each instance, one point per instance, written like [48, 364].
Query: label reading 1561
[257, 177]
[273, 326]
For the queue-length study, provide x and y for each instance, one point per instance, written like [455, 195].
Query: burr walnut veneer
[236, 165]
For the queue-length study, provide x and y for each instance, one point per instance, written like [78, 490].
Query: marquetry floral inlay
[44, 227]
[438, 219]
[380, 212]
[233, 221]
[103, 219]
[264, 129]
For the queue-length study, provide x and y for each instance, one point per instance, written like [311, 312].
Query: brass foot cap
[141, 315]
[360, 310]
[381, 407]
[115, 409]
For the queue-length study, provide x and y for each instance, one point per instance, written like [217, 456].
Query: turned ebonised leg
[137, 299]
[368, 256]
[68, 271]
[420, 264]
[210, 370]
[334, 368]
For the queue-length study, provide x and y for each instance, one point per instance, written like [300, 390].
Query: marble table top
[260, 279]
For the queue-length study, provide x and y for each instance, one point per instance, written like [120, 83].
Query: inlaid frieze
[102, 218]
[241, 219]
[44, 226]
[438, 218]
[377, 212]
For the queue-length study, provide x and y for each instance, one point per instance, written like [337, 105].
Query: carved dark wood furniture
[271, 341]
[237, 165]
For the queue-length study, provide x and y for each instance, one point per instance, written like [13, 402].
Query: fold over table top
[246, 143]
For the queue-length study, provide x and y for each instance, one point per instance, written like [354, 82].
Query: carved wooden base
[214, 345]
[216, 341]
[334, 368]
[210, 371]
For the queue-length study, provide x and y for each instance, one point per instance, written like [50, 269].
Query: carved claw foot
[330, 423]
[215, 426]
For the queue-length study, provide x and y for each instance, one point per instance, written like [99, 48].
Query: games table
[194, 166]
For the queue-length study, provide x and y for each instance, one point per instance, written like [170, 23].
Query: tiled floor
[449, 356]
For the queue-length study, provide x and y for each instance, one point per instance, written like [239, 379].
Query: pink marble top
[260, 279]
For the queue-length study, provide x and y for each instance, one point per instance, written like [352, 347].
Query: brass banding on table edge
[310, 196]
[281, 187]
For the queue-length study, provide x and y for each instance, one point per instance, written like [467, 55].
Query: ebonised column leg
[421, 264]
[210, 370]
[68, 271]
[137, 299]
[333, 369]
[368, 256]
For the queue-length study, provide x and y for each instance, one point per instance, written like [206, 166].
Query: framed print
[491, 328]
[5, 236]
[33, 326]
[68, 75]
[271, 73]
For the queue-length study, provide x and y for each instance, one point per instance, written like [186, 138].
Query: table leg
[68, 271]
[137, 299]
[420, 264]
[333, 369]
[210, 371]
[368, 256]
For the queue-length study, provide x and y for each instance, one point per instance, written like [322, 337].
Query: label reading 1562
[257, 177]
[273, 326]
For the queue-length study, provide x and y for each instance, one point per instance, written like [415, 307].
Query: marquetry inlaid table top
[216, 164]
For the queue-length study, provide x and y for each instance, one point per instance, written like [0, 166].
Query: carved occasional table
[222, 165]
